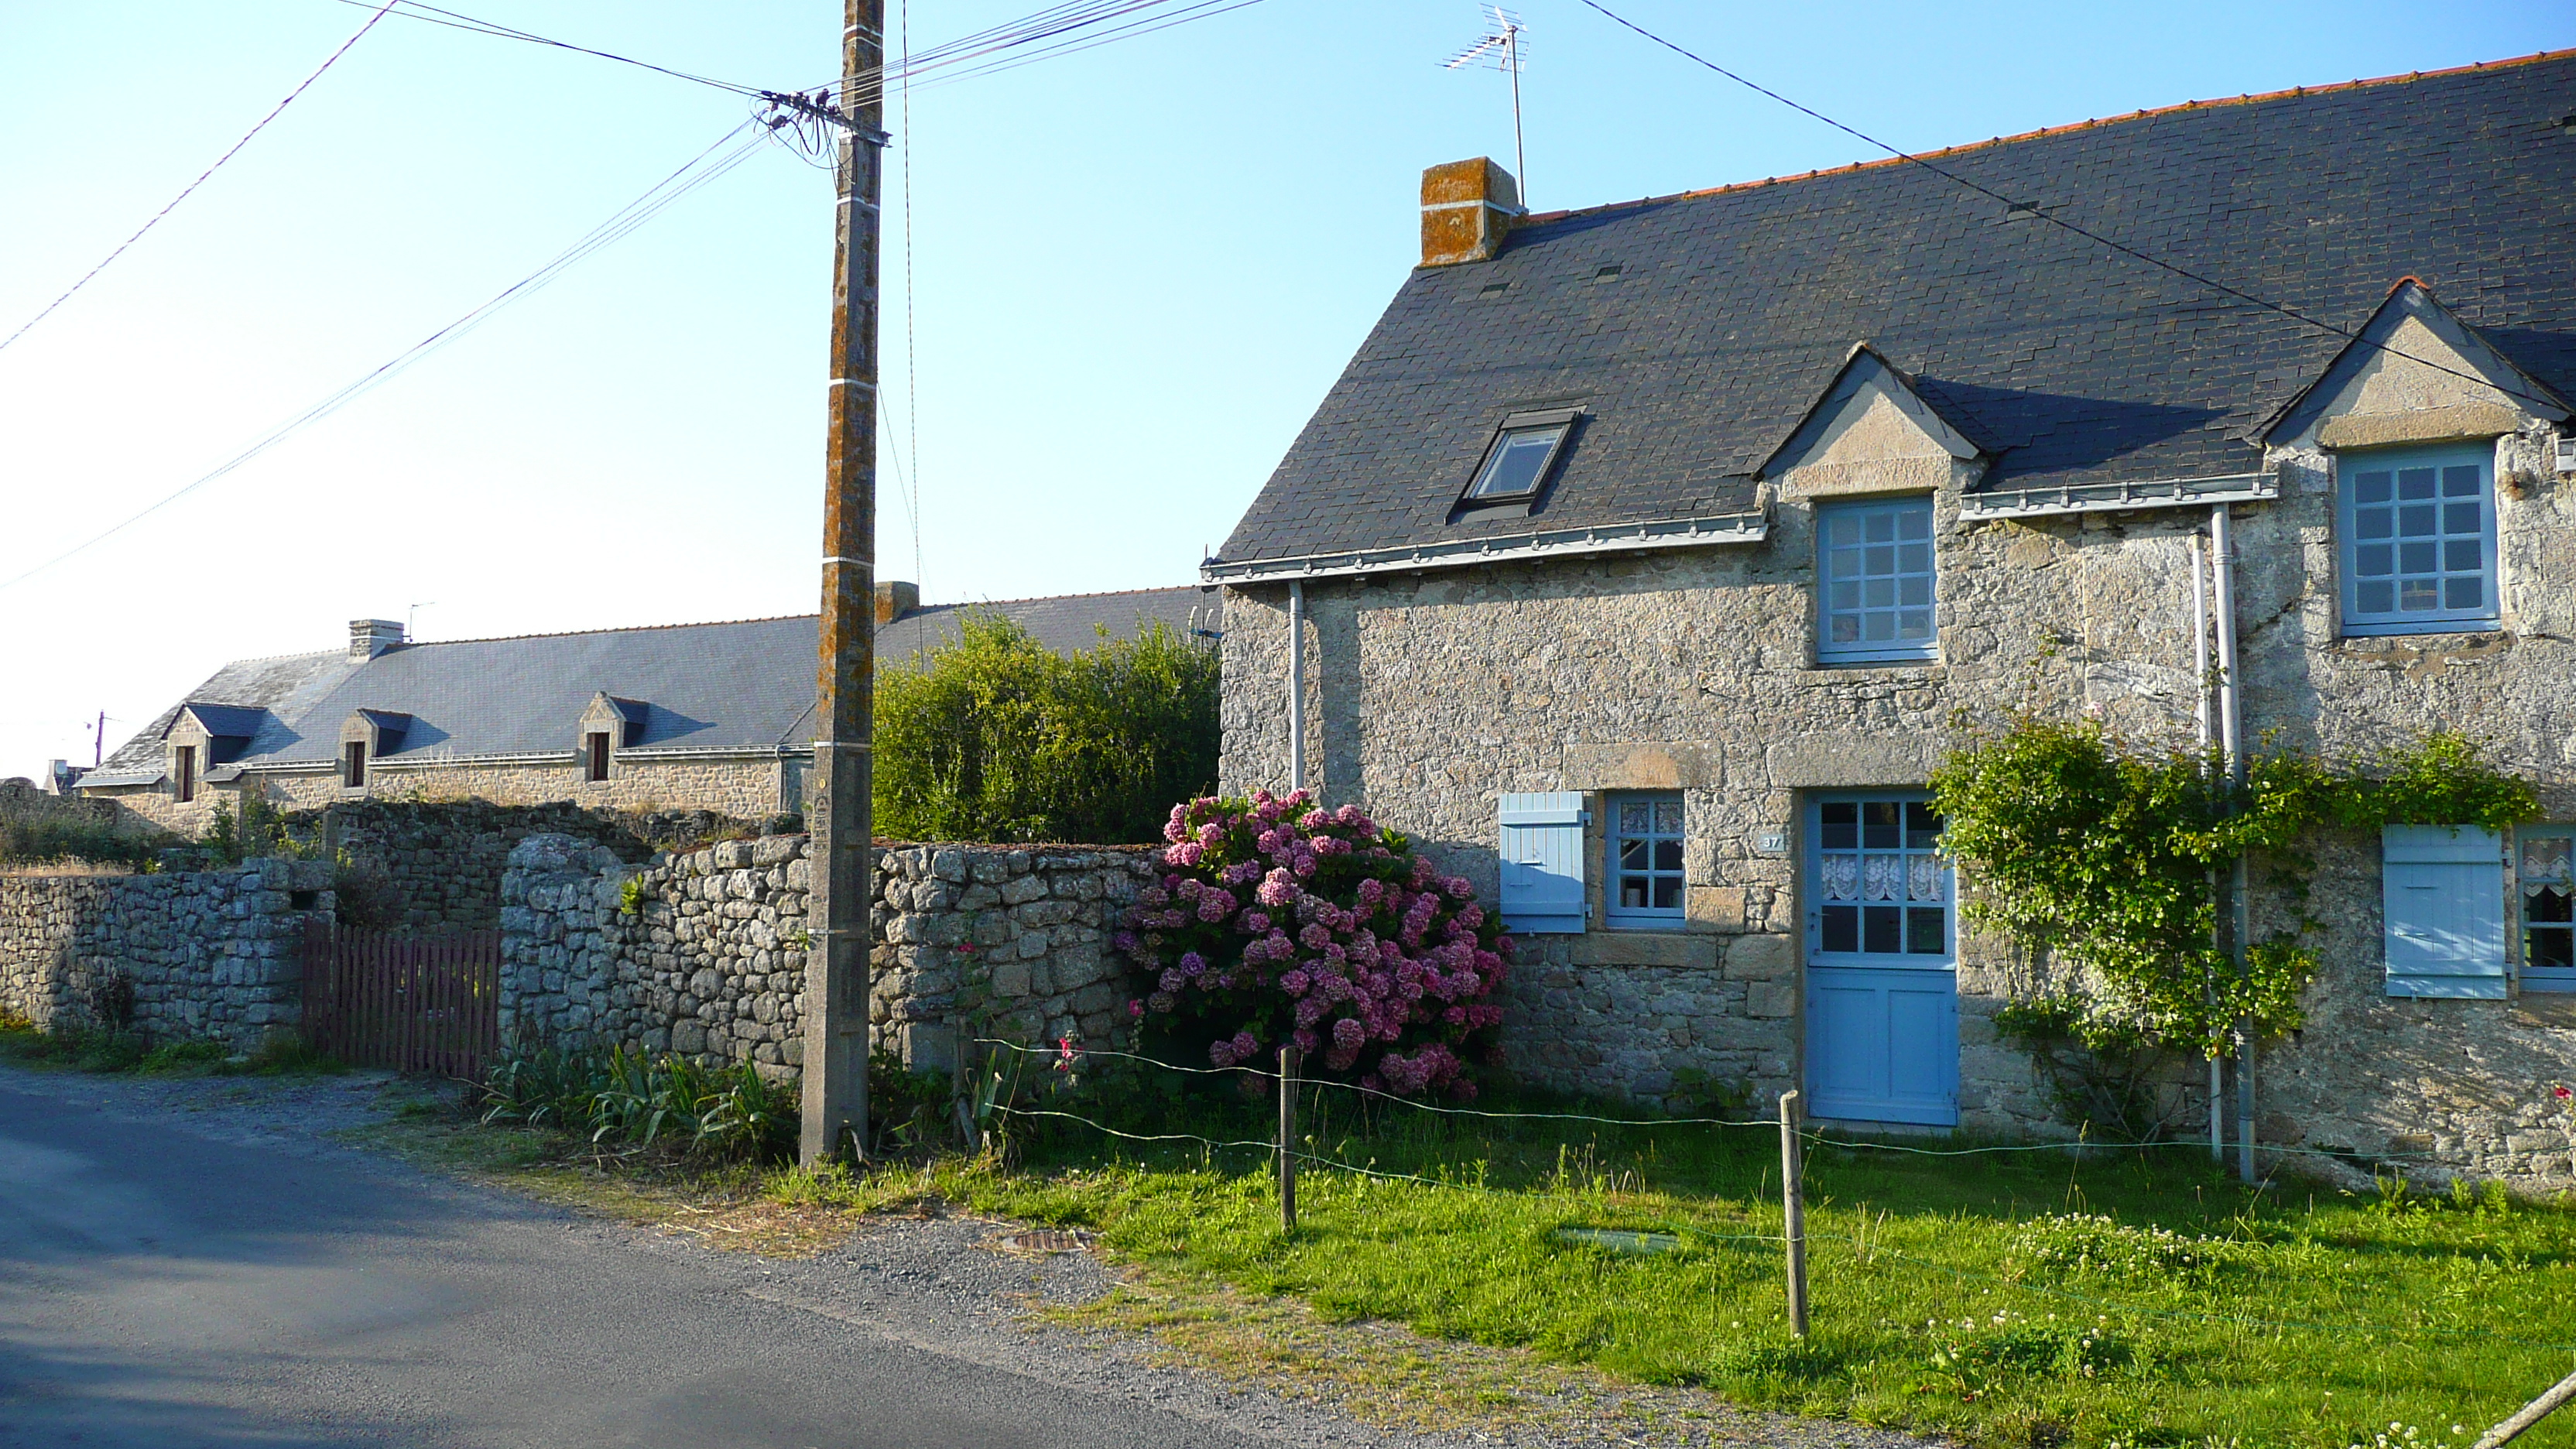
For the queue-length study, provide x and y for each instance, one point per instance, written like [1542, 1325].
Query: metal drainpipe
[2231, 723]
[1296, 684]
[2200, 724]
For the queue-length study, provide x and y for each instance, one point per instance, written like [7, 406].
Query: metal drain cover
[1618, 1241]
[1049, 1240]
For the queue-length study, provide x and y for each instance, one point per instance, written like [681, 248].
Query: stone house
[1646, 559]
[677, 717]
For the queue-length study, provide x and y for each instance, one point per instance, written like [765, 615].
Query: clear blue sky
[1135, 272]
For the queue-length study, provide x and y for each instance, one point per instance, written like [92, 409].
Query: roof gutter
[1711, 532]
[2120, 497]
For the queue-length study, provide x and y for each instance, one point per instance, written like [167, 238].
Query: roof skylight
[1517, 463]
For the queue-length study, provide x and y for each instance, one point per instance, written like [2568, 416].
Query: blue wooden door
[1882, 984]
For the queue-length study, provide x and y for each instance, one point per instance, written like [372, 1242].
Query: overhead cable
[188, 190]
[699, 170]
[433, 15]
[2036, 213]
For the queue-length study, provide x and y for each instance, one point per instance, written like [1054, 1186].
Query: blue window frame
[1882, 890]
[2419, 540]
[1645, 874]
[1874, 582]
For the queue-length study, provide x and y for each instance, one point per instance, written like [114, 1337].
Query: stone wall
[1430, 694]
[206, 953]
[415, 867]
[703, 953]
[35, 812]
[743, 788]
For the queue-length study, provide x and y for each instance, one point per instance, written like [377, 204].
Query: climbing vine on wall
[2113, 857]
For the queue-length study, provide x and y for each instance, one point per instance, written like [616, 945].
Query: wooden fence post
[2530, 1414]
[1287, 1139]
[1793, 1211]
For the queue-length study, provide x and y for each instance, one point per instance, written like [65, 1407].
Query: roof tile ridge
[2141, 114]
[273, 658]
[614, 629]
[1052, 598]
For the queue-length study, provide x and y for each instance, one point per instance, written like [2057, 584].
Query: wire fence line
[1867, 1250]
[2076, 1145]
[1357, 1089]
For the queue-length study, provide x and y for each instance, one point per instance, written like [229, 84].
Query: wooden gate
[425, 1005]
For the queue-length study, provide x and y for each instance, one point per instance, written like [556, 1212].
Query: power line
[696, 173]
[432, 15]
[190, 189]
[2036, 213]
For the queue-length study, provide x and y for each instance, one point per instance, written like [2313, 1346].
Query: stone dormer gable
[621, 719]
[381, 730]
[2415, 373]
[1873, 431]
[220, 733]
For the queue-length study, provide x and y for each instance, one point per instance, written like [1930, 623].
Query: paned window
[1645, 859]
[1517, 461]
[353, 764]
[1874, 572]
[2418, 540]
[2546, 867]
[1882, 888]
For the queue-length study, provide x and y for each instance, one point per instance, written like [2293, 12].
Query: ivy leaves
[2110, 854]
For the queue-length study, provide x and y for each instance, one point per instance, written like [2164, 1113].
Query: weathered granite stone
[710, 964]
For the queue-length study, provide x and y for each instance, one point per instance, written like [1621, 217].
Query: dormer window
[1516, 464]
[368, 735]
[595, 756]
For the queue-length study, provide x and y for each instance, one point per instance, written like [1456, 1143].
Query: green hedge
[997, 737]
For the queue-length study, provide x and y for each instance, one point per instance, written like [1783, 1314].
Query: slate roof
[2070, 364]
[730, 686]
[1064, 623]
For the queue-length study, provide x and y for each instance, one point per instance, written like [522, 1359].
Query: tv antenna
[1501, 49]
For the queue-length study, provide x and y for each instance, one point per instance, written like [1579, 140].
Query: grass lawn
[2006, 1298]
[2035, 1298]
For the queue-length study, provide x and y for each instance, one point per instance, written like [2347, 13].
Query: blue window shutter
[2443, 908]
[1542, 850]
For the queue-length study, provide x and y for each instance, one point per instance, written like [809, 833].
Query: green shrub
[183, 1056]
[995, 737]
[627, 1095]
[285, 1055]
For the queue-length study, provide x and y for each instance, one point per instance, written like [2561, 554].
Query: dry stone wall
[703, 953]
[188, 954]
[418, 867]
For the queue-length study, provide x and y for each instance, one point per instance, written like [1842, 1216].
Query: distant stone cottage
[678, 717]
[1646, 559]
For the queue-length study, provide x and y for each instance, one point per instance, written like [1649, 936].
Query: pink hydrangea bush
[1277, 921]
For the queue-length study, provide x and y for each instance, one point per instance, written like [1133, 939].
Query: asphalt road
[163, 1287]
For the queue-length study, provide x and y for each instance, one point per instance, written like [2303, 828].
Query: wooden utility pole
[837, 794]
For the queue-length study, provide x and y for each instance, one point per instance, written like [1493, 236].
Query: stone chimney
[896, 599]
[1467, 206]
[371, 637]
